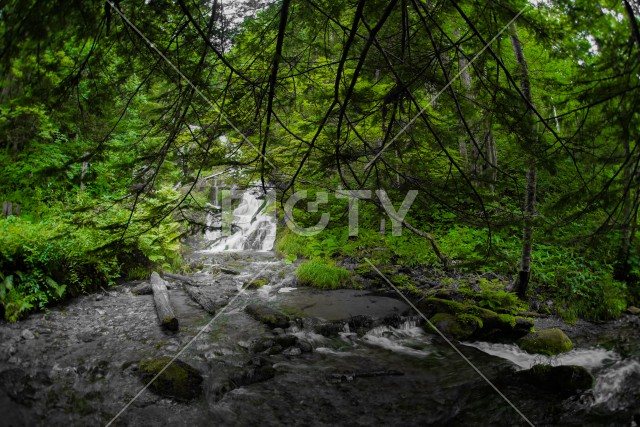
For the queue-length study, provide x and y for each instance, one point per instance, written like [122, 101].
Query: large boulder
[268, 316]
[179, 381]
[452, 326]
[564, 380]
[546, 341]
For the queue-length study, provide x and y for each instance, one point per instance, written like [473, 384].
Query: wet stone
[179, 381]
[304, 346]
[292, 351]
[268, 316]
[27, 334]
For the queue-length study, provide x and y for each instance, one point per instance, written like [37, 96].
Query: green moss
[452, 327]
[268, 316]
[258, 282]
[179, 380]
[470, 318]
[507, 319]
[547, 341]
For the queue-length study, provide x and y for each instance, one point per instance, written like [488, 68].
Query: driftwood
[163, 306]
[207, 302]
[185, 279]
[145, 288]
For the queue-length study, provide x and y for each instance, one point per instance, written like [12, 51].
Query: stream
[360, 359]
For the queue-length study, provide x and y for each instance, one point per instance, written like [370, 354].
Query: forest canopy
[514, 120]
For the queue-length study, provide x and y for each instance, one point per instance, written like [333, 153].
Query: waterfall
[215, 199]
[253, 226]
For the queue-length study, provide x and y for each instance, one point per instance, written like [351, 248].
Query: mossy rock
[546, 341]
[451, 326]
[179, 381]
[268, 316]
[633, 310]
[565, 380]
[258, 282]
[491, 325]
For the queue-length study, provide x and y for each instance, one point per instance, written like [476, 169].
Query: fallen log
[145, 288]
[186, 279]
[205, 300]
[163, 306]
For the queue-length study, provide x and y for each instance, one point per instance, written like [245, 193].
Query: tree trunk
[465, 78]
[163, 305]
[524, 275]
[622, 267]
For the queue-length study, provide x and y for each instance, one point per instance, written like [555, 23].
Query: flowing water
[371, 362]
[253, 224]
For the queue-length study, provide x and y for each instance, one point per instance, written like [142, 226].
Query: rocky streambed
[278, 354]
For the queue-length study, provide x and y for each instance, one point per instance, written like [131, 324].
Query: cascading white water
[589, 358]
[615, 381]
[253, 226]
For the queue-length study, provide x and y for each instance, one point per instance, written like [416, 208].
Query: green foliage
[494, 297]
[322, 274]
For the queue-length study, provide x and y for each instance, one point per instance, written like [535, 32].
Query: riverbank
[370, 363]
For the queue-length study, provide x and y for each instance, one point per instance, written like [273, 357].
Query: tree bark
[163, 305]
[524, 276]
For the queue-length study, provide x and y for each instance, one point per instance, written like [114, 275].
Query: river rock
[27, 334]
[268, 316]
[546, 341]
[257, 283]
[179, 381]
[292, 351]
[633, 310]
[564, 380]
[452, 327]
[256, 370]
[304, 346]
[286, 340]
[491, 326]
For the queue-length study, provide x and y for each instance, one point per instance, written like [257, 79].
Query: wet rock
[292, 351]
[256, 370]
[259, 345]
[546, 341]
[87, 336]
[268, 316]
[304, 346]
[276, 349]
[27, 334]
[492, 326]
[286, 340]
[258, 282]
[179, 381]
[17, 385]
[565, 380]
[633, 310]
[452, 327]
[359, 324]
